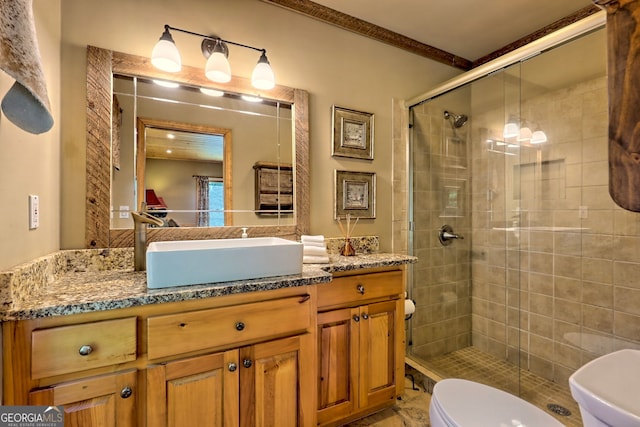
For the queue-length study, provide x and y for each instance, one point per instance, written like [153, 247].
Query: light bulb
[262, 77]
[218, 68]
[165, 55]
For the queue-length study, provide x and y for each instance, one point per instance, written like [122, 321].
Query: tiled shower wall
[441, 284]
[549, 274]
[556, 264]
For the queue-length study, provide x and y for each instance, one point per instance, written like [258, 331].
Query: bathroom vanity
[319, 348]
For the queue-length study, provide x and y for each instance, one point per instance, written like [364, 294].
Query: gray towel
[26, 104]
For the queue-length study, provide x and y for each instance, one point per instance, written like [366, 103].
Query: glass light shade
[165, 56]
[524, 134]
[538, 137]
[511, 130]
[218, 68]
[262, 77]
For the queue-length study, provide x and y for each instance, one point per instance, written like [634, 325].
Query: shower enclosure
[539, 273]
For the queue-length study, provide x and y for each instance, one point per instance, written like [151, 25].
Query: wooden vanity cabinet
[235, 361]
[106, 401]
[360, 340]
[264, 383]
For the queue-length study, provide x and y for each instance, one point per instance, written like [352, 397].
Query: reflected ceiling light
[165, 56]
[165, 83]
[211, 92]
[171, 136]
[538, 137]
[250, 98]
[169, 151]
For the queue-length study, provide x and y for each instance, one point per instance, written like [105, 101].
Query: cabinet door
[105, 401]
[269, 381]
[380, 360]
[199, 391]
[338, 363]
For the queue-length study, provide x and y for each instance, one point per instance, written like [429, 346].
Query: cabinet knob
[361, 288]
[365, 316]
[239, 326]
[126, 392]
[232, 367]
[247, 363]
[356, 317]
[85, 350]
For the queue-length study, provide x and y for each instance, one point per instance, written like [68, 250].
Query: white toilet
[607, 390]
[462, 403]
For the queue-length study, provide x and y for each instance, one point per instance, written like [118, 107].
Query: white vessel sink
[192, 262]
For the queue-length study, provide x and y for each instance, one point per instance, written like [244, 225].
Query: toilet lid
[468, 404]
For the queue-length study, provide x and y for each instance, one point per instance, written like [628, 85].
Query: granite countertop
[73, 282]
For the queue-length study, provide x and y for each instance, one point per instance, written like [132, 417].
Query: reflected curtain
[202, 200]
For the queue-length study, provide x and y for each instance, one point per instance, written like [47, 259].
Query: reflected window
[216, 203]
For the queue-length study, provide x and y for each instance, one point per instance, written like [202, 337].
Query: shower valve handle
[446, 235]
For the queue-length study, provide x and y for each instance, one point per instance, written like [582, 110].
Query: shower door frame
[571, 32]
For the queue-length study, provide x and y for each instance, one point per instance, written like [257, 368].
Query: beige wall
[30, 164]
[333, 65]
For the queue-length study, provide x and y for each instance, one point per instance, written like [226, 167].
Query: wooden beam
[367, 29]
[561, 23]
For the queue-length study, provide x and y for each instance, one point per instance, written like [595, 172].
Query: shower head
[457, 121]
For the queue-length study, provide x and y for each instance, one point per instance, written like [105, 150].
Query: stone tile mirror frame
[101, 64]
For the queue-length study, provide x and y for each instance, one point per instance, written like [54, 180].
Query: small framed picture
[355, 194]
[352, 133]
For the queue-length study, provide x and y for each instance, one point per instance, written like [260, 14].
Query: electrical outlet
[124, 211]
[34, 212]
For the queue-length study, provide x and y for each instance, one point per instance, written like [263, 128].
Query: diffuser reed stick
[347, 248]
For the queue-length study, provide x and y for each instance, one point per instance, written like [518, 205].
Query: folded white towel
[314, 250]
[309, 259]
[318, 238]
[316, 244]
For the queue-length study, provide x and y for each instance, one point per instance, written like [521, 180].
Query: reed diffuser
[347, 248]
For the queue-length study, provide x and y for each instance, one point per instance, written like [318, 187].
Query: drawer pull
[361, 288]
[126, 392]
[356, 317]
[304, 298]
[85, 350]
[232, 367]
[247, 363]
[365, 316]
[239, 326]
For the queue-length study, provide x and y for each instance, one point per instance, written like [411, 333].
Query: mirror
[184, 159]
[101, 66]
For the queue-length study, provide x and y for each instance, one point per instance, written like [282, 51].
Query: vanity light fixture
[166, 57]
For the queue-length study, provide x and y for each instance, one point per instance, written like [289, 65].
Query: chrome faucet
[140, 221]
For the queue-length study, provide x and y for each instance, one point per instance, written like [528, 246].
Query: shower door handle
[446, 235]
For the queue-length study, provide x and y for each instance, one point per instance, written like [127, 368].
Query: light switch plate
[34, 211]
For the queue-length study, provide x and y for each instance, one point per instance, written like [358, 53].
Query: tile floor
[474, 365]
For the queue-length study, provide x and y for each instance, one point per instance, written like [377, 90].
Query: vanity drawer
[173, 334]
[74, 348]
[353, 290]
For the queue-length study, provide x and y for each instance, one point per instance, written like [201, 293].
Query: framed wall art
[352, 133]
[355, 194]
